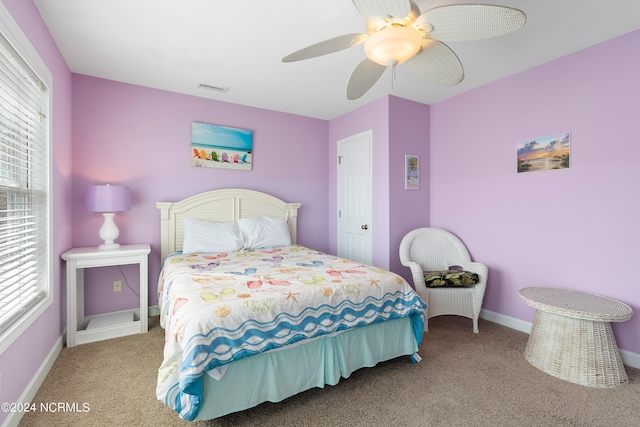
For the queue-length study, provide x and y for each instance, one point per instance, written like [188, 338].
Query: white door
[355, 196]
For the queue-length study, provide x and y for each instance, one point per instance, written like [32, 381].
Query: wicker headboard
[227, 205]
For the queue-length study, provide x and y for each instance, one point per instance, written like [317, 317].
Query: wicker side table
[571, 337]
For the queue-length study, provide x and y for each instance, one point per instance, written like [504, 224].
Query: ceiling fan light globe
[393, 45]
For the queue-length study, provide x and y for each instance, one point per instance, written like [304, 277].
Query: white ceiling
[177, 44]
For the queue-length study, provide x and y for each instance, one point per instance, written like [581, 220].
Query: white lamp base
[109, 232]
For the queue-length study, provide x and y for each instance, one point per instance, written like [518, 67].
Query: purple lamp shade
[107, 198]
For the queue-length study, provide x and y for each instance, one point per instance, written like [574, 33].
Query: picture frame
[411, 172]
[544, 153]
[216, 146]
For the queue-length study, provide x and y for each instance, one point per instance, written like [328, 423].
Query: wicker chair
[433, 249]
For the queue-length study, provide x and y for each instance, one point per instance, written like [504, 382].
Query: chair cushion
[450, 278]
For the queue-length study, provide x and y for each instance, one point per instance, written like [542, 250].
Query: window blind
[24, 259]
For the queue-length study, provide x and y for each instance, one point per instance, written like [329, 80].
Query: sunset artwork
[546, 153]
[215, 146]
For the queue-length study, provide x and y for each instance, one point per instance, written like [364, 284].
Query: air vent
[212, 87]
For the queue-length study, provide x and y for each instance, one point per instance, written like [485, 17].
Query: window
[25, 278]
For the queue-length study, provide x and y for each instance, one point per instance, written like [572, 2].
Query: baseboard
[628, 358]
[30, 391]
[154, 310]
[504, 320]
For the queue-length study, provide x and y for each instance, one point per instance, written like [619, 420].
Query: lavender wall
[22, 359]
[140, 137]
[408, 209]
[574, 228]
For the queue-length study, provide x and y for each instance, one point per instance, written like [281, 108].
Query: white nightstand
[110, 325]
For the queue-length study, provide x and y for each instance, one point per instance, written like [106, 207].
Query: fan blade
[437, 63]
[463, 22]
[396, 8]
[335, 44]
[363, 77]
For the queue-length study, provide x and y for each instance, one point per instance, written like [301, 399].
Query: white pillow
[264, 232]
[206, 236]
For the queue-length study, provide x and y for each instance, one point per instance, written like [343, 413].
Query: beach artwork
[547, 153]
[215, 146]
[411, 172]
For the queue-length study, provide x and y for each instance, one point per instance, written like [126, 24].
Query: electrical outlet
[117, 286]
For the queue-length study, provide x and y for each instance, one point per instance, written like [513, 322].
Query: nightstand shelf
[81, 329]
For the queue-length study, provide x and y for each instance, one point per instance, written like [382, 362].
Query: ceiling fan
[398, 33]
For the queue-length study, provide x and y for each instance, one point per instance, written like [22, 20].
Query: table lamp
[108, 199]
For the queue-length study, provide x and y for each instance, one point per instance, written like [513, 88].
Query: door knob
[365, 227]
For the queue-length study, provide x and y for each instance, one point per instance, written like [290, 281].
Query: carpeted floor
[464, 380]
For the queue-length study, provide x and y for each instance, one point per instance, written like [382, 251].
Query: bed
[250, 316]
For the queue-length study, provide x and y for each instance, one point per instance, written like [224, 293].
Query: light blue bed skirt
[274, 376]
